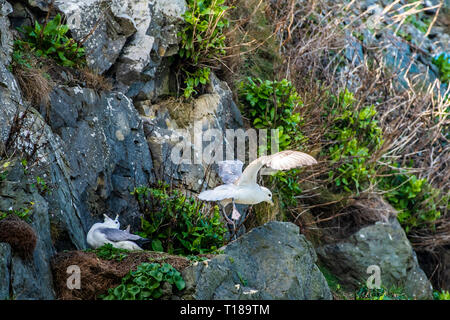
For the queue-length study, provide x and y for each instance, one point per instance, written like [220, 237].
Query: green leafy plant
[354, 136]
[202, 41]
[443, 63]
[287, 187]
[49, 40]
[442, 295]
[364, 293]
[415, 199]
[273, 105]
[199, 76]
[176, 223]
[146, 282]
[108, 252]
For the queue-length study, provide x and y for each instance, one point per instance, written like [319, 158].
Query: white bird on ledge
[109, 232]
[242, 187]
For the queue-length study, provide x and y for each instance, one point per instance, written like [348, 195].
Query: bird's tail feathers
[144, 243]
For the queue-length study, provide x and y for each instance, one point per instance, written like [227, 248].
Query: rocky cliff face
[95, 147]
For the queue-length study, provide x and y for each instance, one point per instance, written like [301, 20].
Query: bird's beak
[271, 203]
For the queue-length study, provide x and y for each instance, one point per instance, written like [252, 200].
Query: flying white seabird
[109, 232]
[242, 187]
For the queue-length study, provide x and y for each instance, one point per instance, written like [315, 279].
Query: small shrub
[51, 40]
[273, 105]
[415, 199]
[353, 138]
[192, 81]
[146, 282]
[202, 41]
[176, 223]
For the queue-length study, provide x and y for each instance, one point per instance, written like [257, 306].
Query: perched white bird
[242, 187]
[109, 232]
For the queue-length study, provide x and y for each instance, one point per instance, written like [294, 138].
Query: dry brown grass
[94, 80]
[34, 81]
[19, 235]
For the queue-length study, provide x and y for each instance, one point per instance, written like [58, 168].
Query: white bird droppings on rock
[119, 135]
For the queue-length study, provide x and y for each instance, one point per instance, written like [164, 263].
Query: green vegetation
[22, 213]
[443, 295]
[332, 281]
[199, 76]
[421, 24]
[365, 293]
[354, 136]
[4, 170]
[146, 282]
[41, 186]
[49, 40]
[108, 252]
[273, 105]
[287, 187]
[178, 224]
[443, 63]
[202, 41]
[415, 199]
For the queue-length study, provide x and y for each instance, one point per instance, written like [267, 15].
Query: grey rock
[143, 58]
[383, 244]
[105, 150]
[106, 26]
[29, 279]
[5, 278]
[269, 262]
[171, 126]
[5, 34]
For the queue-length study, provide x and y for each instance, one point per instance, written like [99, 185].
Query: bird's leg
[224, 211]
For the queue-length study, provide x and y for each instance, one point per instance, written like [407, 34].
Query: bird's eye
[270, 196]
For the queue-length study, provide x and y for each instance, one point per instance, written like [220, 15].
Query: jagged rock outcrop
[105, 149]
[271, 262]
[383, 244]
[5, 276]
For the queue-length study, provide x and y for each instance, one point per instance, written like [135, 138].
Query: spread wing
[283, 160]
[225, 191]
[230, 170]
[117, 235]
